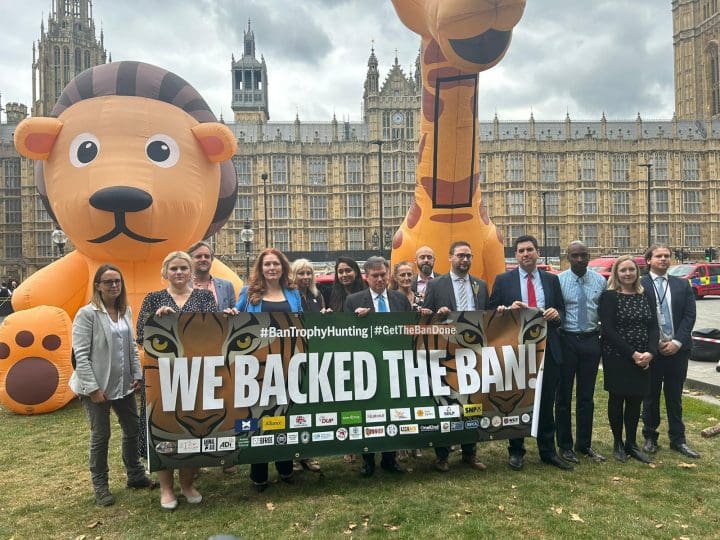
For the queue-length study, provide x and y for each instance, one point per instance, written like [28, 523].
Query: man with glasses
[457, 291]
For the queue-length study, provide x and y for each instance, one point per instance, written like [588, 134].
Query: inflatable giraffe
[460, 38]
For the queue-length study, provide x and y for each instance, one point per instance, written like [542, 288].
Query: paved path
[702, 375]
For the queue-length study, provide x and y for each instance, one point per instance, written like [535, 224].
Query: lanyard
[661, 299]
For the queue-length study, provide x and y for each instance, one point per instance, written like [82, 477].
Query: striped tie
[462, 295]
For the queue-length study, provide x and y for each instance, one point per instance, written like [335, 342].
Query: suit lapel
[515, 291]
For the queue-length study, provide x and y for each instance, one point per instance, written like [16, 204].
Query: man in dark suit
[524, 287]
[456, 291]
[674, 301]
[202, 257]
[377, 298]
[425, 261]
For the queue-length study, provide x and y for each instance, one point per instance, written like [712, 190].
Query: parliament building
[314, 185]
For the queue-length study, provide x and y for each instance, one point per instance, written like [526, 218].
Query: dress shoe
[288, 478]
[310, 465]
[635, 452]
[558, 462]
[685, 450]
[441, 465]
[619, 452]
[194, 497]
[592, 454]
[569, 455]
[516, 462]
[473, 462]
[367, 470]
[650, 446]
[144, 482]
[103, 497]
[392, 467]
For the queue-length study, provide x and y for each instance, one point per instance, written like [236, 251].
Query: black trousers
[546, 422]
[667, 373]
[259, 471]
[581, 358]
[624, 411]
[442, 452]
[387, 460]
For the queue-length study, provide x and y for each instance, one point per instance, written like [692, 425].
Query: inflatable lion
[133, 165]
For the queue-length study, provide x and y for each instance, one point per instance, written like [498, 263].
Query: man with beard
[202, 258]
[425, 261]
[528, 287]
[457, 291]
[580, 335]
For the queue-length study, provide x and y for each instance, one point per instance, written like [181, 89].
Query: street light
[59, 238]
[264, 177]
[545, 239]
[379, 143]
[247, 235]
[648, 166]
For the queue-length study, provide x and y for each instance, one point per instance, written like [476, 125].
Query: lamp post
[264, 177]
[381, 236]
[545, 239]
[59, 238]
[648, 166]
[247, 235]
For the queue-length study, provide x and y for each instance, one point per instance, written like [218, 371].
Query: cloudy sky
[577, 56]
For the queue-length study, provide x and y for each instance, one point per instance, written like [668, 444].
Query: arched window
[78, 61]
[714, 74]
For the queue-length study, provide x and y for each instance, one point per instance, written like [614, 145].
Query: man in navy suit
[674, 301]
[202, 257]
[377, 298]
[456, 291]
[524, 287]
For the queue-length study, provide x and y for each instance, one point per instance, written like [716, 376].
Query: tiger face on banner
[188, 336]
[481, 329]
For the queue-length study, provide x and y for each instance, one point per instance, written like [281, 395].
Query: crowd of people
[639, 326]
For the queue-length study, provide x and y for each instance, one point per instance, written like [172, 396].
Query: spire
[249, 40]
[372, 79]
[418, 72]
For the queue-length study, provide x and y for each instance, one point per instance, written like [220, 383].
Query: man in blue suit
[202, 256]
[528, 287]
[674, 301]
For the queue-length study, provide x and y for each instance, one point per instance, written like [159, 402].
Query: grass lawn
[45, 492]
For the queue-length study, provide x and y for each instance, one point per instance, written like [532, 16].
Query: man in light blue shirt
[581, 354]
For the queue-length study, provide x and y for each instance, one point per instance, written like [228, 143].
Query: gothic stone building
[321, 179]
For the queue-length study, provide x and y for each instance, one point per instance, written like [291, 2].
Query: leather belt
[582, 335]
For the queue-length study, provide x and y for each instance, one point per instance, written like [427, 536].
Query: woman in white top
[107, 374]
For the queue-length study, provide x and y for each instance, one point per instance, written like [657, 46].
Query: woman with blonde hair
[402, 279]
[178, 297]
[303, 276]
[107, 374]
[629, 343]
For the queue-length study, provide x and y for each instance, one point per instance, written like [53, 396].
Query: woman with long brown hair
[270, 290]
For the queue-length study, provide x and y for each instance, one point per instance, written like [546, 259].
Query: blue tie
[582, 318]
[382, 306]
[666, 328]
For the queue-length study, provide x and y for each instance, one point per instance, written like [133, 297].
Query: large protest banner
[259, 387]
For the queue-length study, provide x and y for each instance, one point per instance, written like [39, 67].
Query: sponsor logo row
[352, 433]
[349, 418]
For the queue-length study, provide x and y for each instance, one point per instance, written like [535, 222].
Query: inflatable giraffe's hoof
[35, 360]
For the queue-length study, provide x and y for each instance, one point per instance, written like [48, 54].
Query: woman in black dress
[629, 343]
[303, 276]
[178, 297]
[348, 280]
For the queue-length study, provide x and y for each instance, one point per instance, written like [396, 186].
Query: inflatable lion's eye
[162, 150]
[84, 148]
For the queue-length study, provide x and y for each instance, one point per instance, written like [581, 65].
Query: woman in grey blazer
[107, 373]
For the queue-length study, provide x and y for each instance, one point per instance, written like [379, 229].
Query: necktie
[665, 317]
[582, 318]
[382, 305]
[532, 301]
[462, 295]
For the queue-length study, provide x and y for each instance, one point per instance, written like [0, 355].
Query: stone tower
[68, 47]
[249, 83]
[696, 45]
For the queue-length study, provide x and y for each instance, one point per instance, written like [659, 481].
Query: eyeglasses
[111, 282]
[467, 256]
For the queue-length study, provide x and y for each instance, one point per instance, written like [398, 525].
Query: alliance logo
[272, 423]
